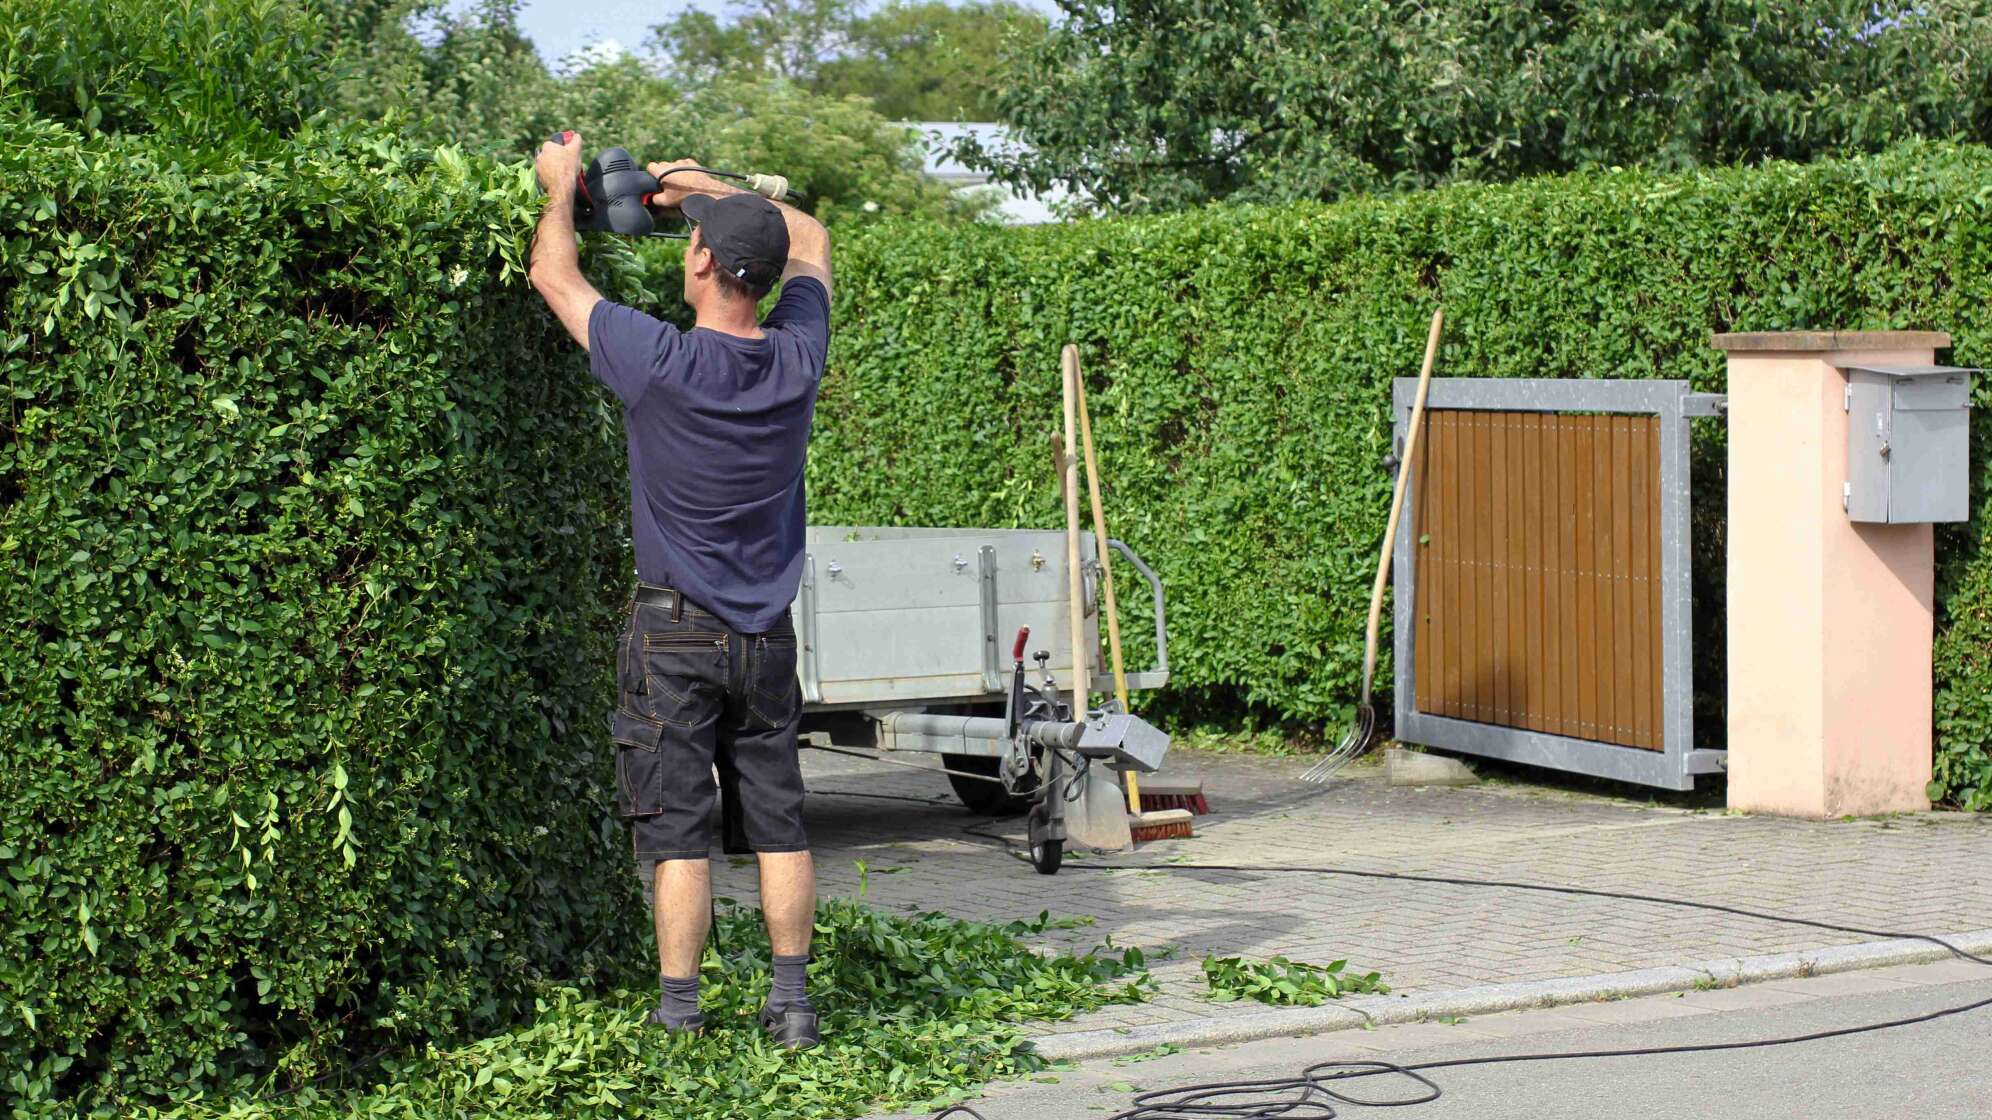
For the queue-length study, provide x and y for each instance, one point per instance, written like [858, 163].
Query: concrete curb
[1390, 1010]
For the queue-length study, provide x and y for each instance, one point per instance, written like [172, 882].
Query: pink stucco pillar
[1830, 621]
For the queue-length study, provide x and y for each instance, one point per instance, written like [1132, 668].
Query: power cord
[1313, 1094]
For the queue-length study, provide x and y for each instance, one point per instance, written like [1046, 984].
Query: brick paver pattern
[1929, 873]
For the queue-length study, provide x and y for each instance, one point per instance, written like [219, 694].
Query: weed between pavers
[917, 1012]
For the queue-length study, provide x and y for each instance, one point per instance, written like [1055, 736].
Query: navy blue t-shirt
[718, 428]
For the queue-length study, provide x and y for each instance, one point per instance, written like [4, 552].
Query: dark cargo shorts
[692, 695]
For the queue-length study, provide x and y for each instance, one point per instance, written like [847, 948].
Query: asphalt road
[1940, 1070]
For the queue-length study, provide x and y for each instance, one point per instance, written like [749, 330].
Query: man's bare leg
[788, 901]
[683, 914]
[788, 905]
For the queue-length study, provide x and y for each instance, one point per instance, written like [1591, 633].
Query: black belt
[649, 594]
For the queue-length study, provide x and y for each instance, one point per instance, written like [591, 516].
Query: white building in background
[1017, 208]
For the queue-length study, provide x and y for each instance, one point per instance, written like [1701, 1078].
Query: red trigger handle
[1023, 635]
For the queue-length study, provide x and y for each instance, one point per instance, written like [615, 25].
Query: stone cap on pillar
[1794, 341]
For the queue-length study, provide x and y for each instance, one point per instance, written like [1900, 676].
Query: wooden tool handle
[1106, 564]
[1404, 469]
[1075, 578]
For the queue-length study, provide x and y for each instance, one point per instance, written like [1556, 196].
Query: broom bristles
[1165, 824]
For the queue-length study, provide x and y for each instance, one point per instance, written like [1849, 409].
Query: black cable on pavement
[1311, 1095]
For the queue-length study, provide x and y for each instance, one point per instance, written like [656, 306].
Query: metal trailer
[902, 640]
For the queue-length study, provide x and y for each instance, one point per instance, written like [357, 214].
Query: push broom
[1358, 738]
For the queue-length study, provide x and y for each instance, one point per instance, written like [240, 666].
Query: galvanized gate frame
[1674, 402]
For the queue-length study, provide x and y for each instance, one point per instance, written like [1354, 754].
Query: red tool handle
[1023, 635]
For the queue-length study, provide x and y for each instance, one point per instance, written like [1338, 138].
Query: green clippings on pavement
[1285, 983]
[917, 1012]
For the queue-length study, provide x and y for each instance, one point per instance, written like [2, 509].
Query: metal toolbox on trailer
[915, 640]
[893, 618]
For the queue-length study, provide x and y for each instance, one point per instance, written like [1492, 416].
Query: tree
[449, 76]
[764, 38]
[468, 77]
[932, 61]
[853, 163]
[915, 59]
[1155, 104]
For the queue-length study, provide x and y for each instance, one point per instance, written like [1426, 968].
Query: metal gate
[1543, 605]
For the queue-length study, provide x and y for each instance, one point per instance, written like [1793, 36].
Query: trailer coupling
[1117, 739]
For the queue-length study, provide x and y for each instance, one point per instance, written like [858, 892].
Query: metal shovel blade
[1097, 819]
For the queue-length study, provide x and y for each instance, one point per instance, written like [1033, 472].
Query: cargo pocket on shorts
[639, 765]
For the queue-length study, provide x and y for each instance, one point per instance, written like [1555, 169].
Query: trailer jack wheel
[1046, 852]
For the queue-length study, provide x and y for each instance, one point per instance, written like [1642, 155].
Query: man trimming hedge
[718, 422]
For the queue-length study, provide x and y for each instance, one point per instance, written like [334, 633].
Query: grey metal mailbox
[1908, 444]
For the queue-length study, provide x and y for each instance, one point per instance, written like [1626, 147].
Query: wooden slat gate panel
[1544, 611]
[1538, 573]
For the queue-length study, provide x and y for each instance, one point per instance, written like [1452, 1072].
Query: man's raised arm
[809, 242]
[556, 265]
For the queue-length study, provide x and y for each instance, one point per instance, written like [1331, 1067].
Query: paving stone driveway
[1929, 873]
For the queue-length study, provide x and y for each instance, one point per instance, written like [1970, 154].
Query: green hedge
[311, 539]
[1238, 362]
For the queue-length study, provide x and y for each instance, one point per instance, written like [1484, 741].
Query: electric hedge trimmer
[613, 193]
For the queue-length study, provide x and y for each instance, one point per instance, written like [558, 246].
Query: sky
[561, 27]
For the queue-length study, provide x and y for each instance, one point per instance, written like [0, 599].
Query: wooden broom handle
[1397, 500]
[1075, 578]
[1106, 563]
[1100, 535]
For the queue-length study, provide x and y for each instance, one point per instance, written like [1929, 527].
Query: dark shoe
[694, 1025]
[793, 1026]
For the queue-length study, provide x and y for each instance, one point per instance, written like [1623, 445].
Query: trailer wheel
[987, 799]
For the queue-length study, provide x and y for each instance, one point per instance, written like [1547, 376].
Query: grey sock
[790, 982]
[680, 1001]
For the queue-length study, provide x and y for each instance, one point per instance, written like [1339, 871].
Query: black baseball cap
[747, 235]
